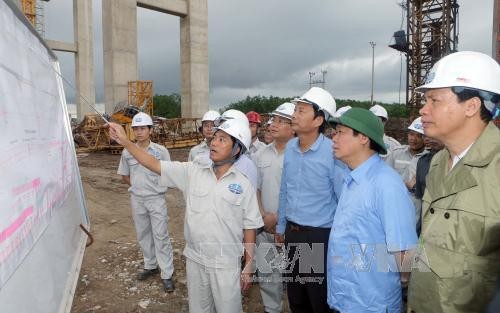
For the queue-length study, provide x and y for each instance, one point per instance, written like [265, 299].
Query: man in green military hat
[374, 224]
[459, 257]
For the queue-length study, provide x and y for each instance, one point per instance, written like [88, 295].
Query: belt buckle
[294, 227]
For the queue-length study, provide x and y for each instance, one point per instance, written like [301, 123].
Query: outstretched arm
[118, 134]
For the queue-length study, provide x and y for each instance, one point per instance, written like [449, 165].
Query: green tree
[168, 106]
[261, 104]
[393, 109]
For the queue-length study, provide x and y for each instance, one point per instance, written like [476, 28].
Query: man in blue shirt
[374, 223]
[310, 186]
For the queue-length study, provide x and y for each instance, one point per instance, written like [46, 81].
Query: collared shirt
[458, 157]
[244, 164]
[217, 211]
[311, 184]
[374, 219]
[400, 159]
[460, 250]
[269, 165]
[201, 148]
[390, 144]
[143, 181]
[255, 147]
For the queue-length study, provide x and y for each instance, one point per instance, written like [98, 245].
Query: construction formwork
[140, 95]
[92, 134]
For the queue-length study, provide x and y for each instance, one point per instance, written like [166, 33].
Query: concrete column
[84, 57]
[119, 33]
[194, 59]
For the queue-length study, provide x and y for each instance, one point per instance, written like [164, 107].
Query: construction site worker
[207, 130]
[254, 121]
[222, 214]
[268, 137]
[373, 224]
[390, 143]
[433, 146]
[401, 157]
[421, 169]
[269, 162]
[149, 208]
[458, 262]
[310, 186]
[243, 163]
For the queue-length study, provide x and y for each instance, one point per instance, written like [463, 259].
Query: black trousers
[305, 273]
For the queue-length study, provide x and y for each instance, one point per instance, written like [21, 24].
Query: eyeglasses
[280, 121]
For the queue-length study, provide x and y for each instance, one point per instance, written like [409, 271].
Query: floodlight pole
[372, 43]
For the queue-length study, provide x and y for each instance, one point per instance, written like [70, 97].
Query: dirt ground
[107, 278]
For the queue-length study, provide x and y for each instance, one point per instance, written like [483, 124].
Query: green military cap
[365, 122]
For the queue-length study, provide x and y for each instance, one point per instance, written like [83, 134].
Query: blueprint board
[41, 197]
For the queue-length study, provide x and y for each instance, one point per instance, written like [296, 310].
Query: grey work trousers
[151, 220]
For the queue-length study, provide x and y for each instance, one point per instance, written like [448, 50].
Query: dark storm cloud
[269, 47]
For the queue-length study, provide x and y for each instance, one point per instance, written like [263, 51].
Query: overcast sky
[259, 47]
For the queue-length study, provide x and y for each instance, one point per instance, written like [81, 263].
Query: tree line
[169, 106]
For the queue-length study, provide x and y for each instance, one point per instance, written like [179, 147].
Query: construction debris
[92, 134]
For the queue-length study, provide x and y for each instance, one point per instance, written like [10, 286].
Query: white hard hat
[320, 97]
[341, 111]
[142, 119]
[464, 69]
[237, 129]
[235, 114]
[210, 116]
[416, 126]
[379, 111]
[284, 110]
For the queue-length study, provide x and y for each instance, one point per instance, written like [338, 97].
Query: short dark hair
[373, 145]
[320, 113]
[464, 94]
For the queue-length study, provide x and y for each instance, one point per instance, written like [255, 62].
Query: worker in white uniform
[149, 209]
[402, 158]
[244, 163]
[222, 214]
[390, 143]
[207, 130]
[255, 121]
[268, 138]
[269, 162]
[403, 155]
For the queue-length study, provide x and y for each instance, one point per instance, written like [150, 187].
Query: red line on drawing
[7, 232]
[34, 184]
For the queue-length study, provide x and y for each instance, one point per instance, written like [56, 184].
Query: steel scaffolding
[432, 32]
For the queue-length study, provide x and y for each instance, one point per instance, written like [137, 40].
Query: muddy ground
[107, 279]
